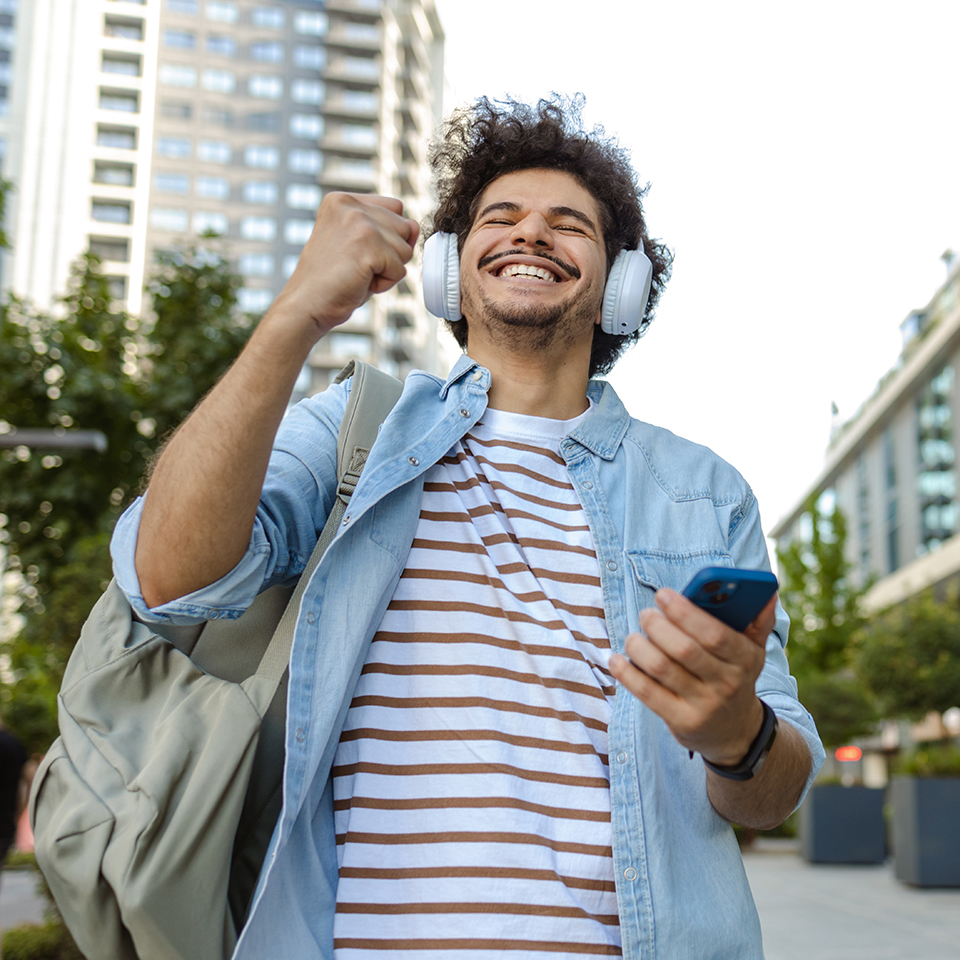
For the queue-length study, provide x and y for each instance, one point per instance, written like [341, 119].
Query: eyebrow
[553, 211]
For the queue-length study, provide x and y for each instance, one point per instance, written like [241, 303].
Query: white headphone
[624, 297]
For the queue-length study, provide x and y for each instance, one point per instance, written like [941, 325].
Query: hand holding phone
[732, 595]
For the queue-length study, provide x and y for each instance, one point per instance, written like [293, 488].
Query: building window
[297, 231]
[358, 135]
[177, 148]
[186, 8]
[936, 476]
[215, 151]
[213, 188]
[307, 91]
[268, 51]
[171, 183]
[258, 228]
[343, 346]
[121, 138]
[309, 58]
[176, 109]
[110, 211]
[363, 67]
[218, 116]
[260, 191]
[122, 28]
[117, 287]
[116, 174]
[303, 196]
[364, 32]
[304, 161]
[164, 218]
[221, 45]
[253, 301]
[267, 86]
[111, 248]
[222, 11]
[180, 39]
[257, 265]
[290, 262]
[119, 64]
[122, 100]
[177, 75]
[209, 221]
[361, 100]
[311, 23]
[218, 81]
[261, 155]
[268, 122]
[309, 126]
[273, 18]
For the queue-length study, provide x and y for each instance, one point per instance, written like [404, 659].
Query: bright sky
[803, 168]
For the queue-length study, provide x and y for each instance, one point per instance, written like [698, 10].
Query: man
[463, 774]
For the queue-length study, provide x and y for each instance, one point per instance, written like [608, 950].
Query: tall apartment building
[892, 468]
[131, 125]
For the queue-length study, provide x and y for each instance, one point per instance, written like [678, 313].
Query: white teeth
[524, 270]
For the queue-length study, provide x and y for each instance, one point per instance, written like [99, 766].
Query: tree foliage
[910, 656]
[91, 366]
[823, 602]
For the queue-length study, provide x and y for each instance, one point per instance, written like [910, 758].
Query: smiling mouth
[525, 270]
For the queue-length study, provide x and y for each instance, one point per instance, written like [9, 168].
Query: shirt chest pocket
[655, 569]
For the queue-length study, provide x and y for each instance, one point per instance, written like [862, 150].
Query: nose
[534, 231]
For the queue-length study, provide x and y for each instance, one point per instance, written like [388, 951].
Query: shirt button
[213, 615]
[414, 461]
[621, 757]
[301, 735]
[587, 485]
[611, 564]
[346, 519]
[630, 874]
[477, 375]
[464, 412]
[311, 617]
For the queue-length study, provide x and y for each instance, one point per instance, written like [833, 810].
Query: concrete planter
[926, 830]
[843, 825]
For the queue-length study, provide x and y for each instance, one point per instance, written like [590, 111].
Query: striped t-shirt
[471, 784]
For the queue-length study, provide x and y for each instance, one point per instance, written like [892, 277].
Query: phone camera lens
[721, 597]
[712, 587]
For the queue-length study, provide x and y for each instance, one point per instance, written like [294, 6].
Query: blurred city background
[162, 162]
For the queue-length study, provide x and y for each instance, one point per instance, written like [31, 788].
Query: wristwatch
[750, 765]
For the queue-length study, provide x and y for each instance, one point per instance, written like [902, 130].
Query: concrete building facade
[892, 468]
[133, 125]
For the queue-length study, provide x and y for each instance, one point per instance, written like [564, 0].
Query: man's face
[533, 266]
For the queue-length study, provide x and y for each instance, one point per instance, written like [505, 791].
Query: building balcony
[352, 105]
[336, 144]
[349, 37]
[357, 71]
[342, 174]
[362, 9]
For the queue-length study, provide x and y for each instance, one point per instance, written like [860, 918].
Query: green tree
[823, 601]
[93, 367]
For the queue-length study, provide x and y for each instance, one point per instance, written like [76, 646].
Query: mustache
[567, 268]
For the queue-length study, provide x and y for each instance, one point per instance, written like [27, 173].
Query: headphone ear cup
[441, 276]
[626, 294]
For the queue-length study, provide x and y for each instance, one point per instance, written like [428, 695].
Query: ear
[625, 296]
[441, 276]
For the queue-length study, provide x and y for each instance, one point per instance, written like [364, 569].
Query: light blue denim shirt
[659, 507]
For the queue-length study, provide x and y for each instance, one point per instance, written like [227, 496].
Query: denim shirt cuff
[226, 598]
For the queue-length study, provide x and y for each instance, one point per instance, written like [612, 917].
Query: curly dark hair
[480, 143]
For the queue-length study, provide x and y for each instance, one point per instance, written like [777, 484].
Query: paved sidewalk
[840, 912]
[19, 900]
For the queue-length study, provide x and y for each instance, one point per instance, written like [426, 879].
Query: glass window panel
[307, 125]
[214, 188]
[215, 151]
[117, 174]
[221, 45]
[108, 211]
[366, 32]
[125, 66]
[290, 262]
[253, 301]
[180, 39]
[260, 191]
[123, 29]
[257, 264]
[177, 75]
[297, 231]
[273, 18]
[123, 138]
[260, 155]
[269, 121]
[111, 248]
[268, 51]
[176, 109]
[218, 116]
[258, 228]
[303, 196]
[307, 91]
[186, 8]
[218, 81]
[269, 87]
[358, 135]
[305, 161]
[175, 147]
[171, 183]
[117, 100]
[365, 67]
[222, 11]
[310, 22]
[309, 58]
[164, 218]
[209, 221]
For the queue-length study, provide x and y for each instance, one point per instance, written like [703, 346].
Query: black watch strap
[750, 765]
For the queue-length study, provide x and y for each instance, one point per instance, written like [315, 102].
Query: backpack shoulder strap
[373, 395]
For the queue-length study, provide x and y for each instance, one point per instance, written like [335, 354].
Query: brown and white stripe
[471, 782]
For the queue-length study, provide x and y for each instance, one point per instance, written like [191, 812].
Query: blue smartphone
[732, 595]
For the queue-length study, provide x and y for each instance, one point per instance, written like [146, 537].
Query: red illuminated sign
[848, 754]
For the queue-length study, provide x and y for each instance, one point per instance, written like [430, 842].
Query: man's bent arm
[202, 502]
